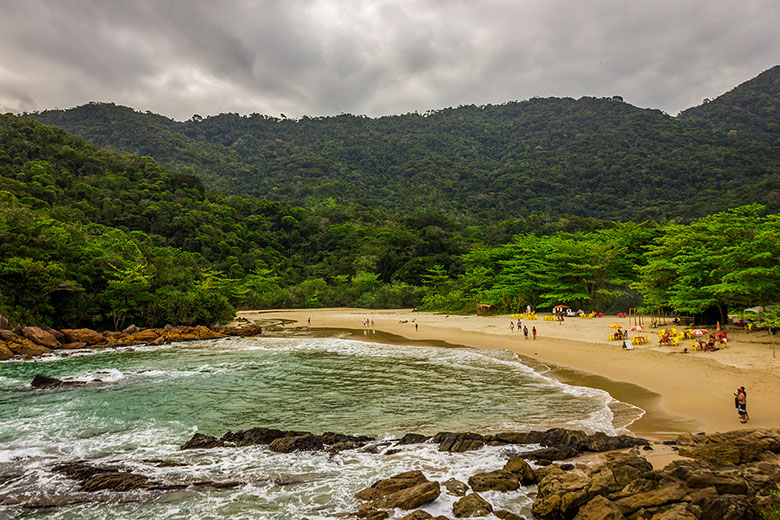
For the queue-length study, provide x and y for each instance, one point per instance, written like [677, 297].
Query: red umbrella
[699, 332]
[637, 327]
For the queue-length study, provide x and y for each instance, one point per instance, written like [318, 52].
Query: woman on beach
[742, 404]
[533, 331]
[525, 332]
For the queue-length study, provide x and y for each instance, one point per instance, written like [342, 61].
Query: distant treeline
[92, 237]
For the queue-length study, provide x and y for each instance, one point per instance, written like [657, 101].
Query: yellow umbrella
[615, 326]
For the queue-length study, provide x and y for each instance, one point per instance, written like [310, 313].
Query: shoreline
[679, 393]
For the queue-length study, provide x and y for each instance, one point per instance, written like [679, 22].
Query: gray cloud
[320, 57]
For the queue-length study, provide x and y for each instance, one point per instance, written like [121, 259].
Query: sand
[680, 392]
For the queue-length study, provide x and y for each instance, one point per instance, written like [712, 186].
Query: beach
[690, 392]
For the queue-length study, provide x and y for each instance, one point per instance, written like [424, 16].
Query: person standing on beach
[415, 327]
[533, 331]
[525, 332]
[512, 326]
[742, 405]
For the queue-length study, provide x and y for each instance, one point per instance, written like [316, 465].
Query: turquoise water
[150, 400]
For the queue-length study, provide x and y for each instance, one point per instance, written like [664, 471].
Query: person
[309, 322]
[533, 331]
[372, 321]
[742, 404]
[512, 326]
[525, 332]
[415, 327]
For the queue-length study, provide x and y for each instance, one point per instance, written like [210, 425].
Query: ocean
[143, 403]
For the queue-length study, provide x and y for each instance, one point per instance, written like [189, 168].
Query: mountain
[599, 158]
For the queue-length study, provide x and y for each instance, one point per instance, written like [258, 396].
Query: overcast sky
[325, 57]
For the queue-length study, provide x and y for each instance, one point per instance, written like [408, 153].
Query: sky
[324, 57]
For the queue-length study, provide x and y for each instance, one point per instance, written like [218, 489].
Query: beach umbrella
[699, 332]
[637, 327]
[615, 326]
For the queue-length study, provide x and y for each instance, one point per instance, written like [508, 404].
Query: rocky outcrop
[44, 381]
[455, 487]
[407, 491]
[88, 336]
[498, 480]
[522, 470]
[282, 441]
[599, 509]
[458, 442]
[470, 506]
[41, 337]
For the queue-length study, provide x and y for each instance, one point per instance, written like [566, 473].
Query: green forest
[591, 203]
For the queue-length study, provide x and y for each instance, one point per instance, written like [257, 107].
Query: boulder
[41, 337]
[5, 352]
[366, 512]
[202, 442]
[144, 336]
[471, 505]
[455, 487]
[3, 322]
[510, 438]
[307, 442]
[657, 497]
[507, 515]
[498, 480]
[727, 507]
[737, 447]
[518, 466]
[724, 484]
[73, 345]
[553, 453]
[407, 490]
[88, 336]
[599, 508]
[258, 436]
[413, 438]
[116, 481]
[679, 512]
[44, 381]
[27, 348]
[458, 442]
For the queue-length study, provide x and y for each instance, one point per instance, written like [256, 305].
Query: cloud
[321, 57]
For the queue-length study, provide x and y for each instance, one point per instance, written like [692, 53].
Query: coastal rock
[519, 467]
[202, 442]
[27, 348]
[553, 453]
[654, 498]
[471, 505]
[679, 512]
[116, 481]
[41, 337]
[307, 442]
[407, 490]
[510, 438]
[413, 438]
[458, 442]
[418, 515]
[254, 436]
[498, 480]
[44, 381]
[727, 507]
[88, 336]
[738, 447]
[3, 322]
[599, 508]
[340, 438]
[75, 345]
[507, 515]
[724, 484]
[249, 330]
[5, 352]
[367, 512]
[144, 336]
[455, 487]
[59, 336]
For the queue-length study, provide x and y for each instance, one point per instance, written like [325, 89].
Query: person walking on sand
[415, 327]
[533, 331]
[512, 326]
[525, 332]
[742, 405]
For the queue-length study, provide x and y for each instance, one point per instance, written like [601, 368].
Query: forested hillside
[599, 158]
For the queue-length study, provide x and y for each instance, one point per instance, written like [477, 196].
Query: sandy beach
[680, 392]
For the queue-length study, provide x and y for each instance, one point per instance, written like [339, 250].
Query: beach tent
[757, 310]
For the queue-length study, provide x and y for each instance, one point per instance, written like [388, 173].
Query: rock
[115, 481]
[727, 507]
[3, 322]
[507, 515]
[499, 480]
[5, 352]
[407, 490]
[417, 515]
[458, 442]
[202, 442]
[144, 336]
[159, 341]
[471, 505]
[335, 438]
[413, 438]
[455, 487]
[518, 466]
[44, 381]
[599, 508]
[566, 467]
[258, 436]
[132, 329]
[250, 330]
[679, 512]
[724, 484]
[343, 446]
[737, 447]
[41, 337]
[553, 453]
[370, 513]
[307, 442]
[88, 336]
[654, 498]
[600, 441]
[74, 345]
[26, 348]
[511, 438]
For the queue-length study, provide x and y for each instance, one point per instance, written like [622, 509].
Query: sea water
[143, 403]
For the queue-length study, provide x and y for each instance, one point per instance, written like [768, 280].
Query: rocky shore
[722, 476]
[29, 342]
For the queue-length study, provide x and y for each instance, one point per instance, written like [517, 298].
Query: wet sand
[679, 392]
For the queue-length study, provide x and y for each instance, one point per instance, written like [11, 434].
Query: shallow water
[150, 400]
